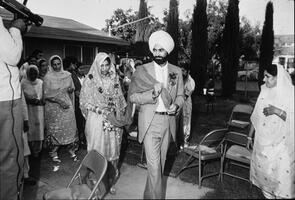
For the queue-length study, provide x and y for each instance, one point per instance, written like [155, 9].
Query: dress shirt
[161, 76]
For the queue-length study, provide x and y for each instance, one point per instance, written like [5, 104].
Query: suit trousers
[11, 149]
[156, 142]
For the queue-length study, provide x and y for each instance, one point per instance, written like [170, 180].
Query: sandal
[113, 190]
[56, 159]
[55, 168]
[74, 157]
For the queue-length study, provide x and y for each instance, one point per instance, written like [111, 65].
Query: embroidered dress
[60, 123]
[273, 162]
[100, 96]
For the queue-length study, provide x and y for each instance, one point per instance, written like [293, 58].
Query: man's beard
[160, 60]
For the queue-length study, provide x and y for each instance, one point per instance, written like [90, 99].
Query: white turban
[163, 39]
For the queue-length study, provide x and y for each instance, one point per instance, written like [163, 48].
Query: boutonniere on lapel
[172, 78]
[90, 76]
[100, 89]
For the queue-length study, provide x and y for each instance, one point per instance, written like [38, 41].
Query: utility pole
[123, 25]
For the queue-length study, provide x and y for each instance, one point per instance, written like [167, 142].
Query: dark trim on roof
[51, 32]
[55, 33]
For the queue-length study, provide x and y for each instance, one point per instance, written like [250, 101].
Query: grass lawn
[202, 123]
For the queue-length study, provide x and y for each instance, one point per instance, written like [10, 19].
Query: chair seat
[239, 153]
[206, 152]
[239, 123]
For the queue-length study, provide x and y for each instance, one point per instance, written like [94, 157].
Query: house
[66, 37]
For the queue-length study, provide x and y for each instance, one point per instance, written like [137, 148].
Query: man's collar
[157, 65]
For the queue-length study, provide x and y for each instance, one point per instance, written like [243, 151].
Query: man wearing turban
[157, 89]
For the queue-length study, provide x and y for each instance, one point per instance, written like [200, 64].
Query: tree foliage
[142, 25]
[172, 29]
[267, 42]
[128, 32]
[216, 12]
[249, 40]
[121, 17]
[230, 49]
[199, 57]
[185, 40]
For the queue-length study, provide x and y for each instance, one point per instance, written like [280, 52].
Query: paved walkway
[132, 182]
[129, 186]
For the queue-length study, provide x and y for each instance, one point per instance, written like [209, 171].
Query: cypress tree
[267, 42]
[141, 26]
[172, 29]
[140, 46]
[199, 57]
[230, 49]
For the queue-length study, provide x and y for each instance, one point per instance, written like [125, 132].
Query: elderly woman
[33, 92]
[101, 95]
[273, 161]
[43, 68]
[59, 109]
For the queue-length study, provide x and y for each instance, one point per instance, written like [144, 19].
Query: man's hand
[20, 24]
[172, 109]
[70, 90]
[64, 105]
[157, 89]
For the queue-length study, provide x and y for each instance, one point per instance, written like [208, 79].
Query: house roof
[67, 29]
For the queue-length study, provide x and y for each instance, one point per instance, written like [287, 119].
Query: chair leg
[200, 173]
[221, 168]
[184, 166]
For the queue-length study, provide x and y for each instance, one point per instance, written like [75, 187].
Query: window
[73, 50]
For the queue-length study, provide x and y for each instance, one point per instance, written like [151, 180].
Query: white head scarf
[29, 69]
[57, 75]
[163, 39]
[62, 78]
[96, 65]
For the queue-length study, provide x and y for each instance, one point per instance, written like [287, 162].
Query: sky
[95, 12]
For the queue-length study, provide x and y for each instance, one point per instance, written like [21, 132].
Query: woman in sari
[101, 96]
[273, 162]
[59, 109]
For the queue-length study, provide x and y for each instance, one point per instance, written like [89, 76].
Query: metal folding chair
[235, 141]
[239, 120]
[93, 165]
[210, 148]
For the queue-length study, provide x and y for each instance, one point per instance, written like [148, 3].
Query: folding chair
[210, 148]
[89, 175]
[239, 120]
[235, 142]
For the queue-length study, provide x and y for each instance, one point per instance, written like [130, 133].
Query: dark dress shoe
[29, 181]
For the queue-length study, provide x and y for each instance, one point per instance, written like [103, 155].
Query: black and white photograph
[147, 99]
